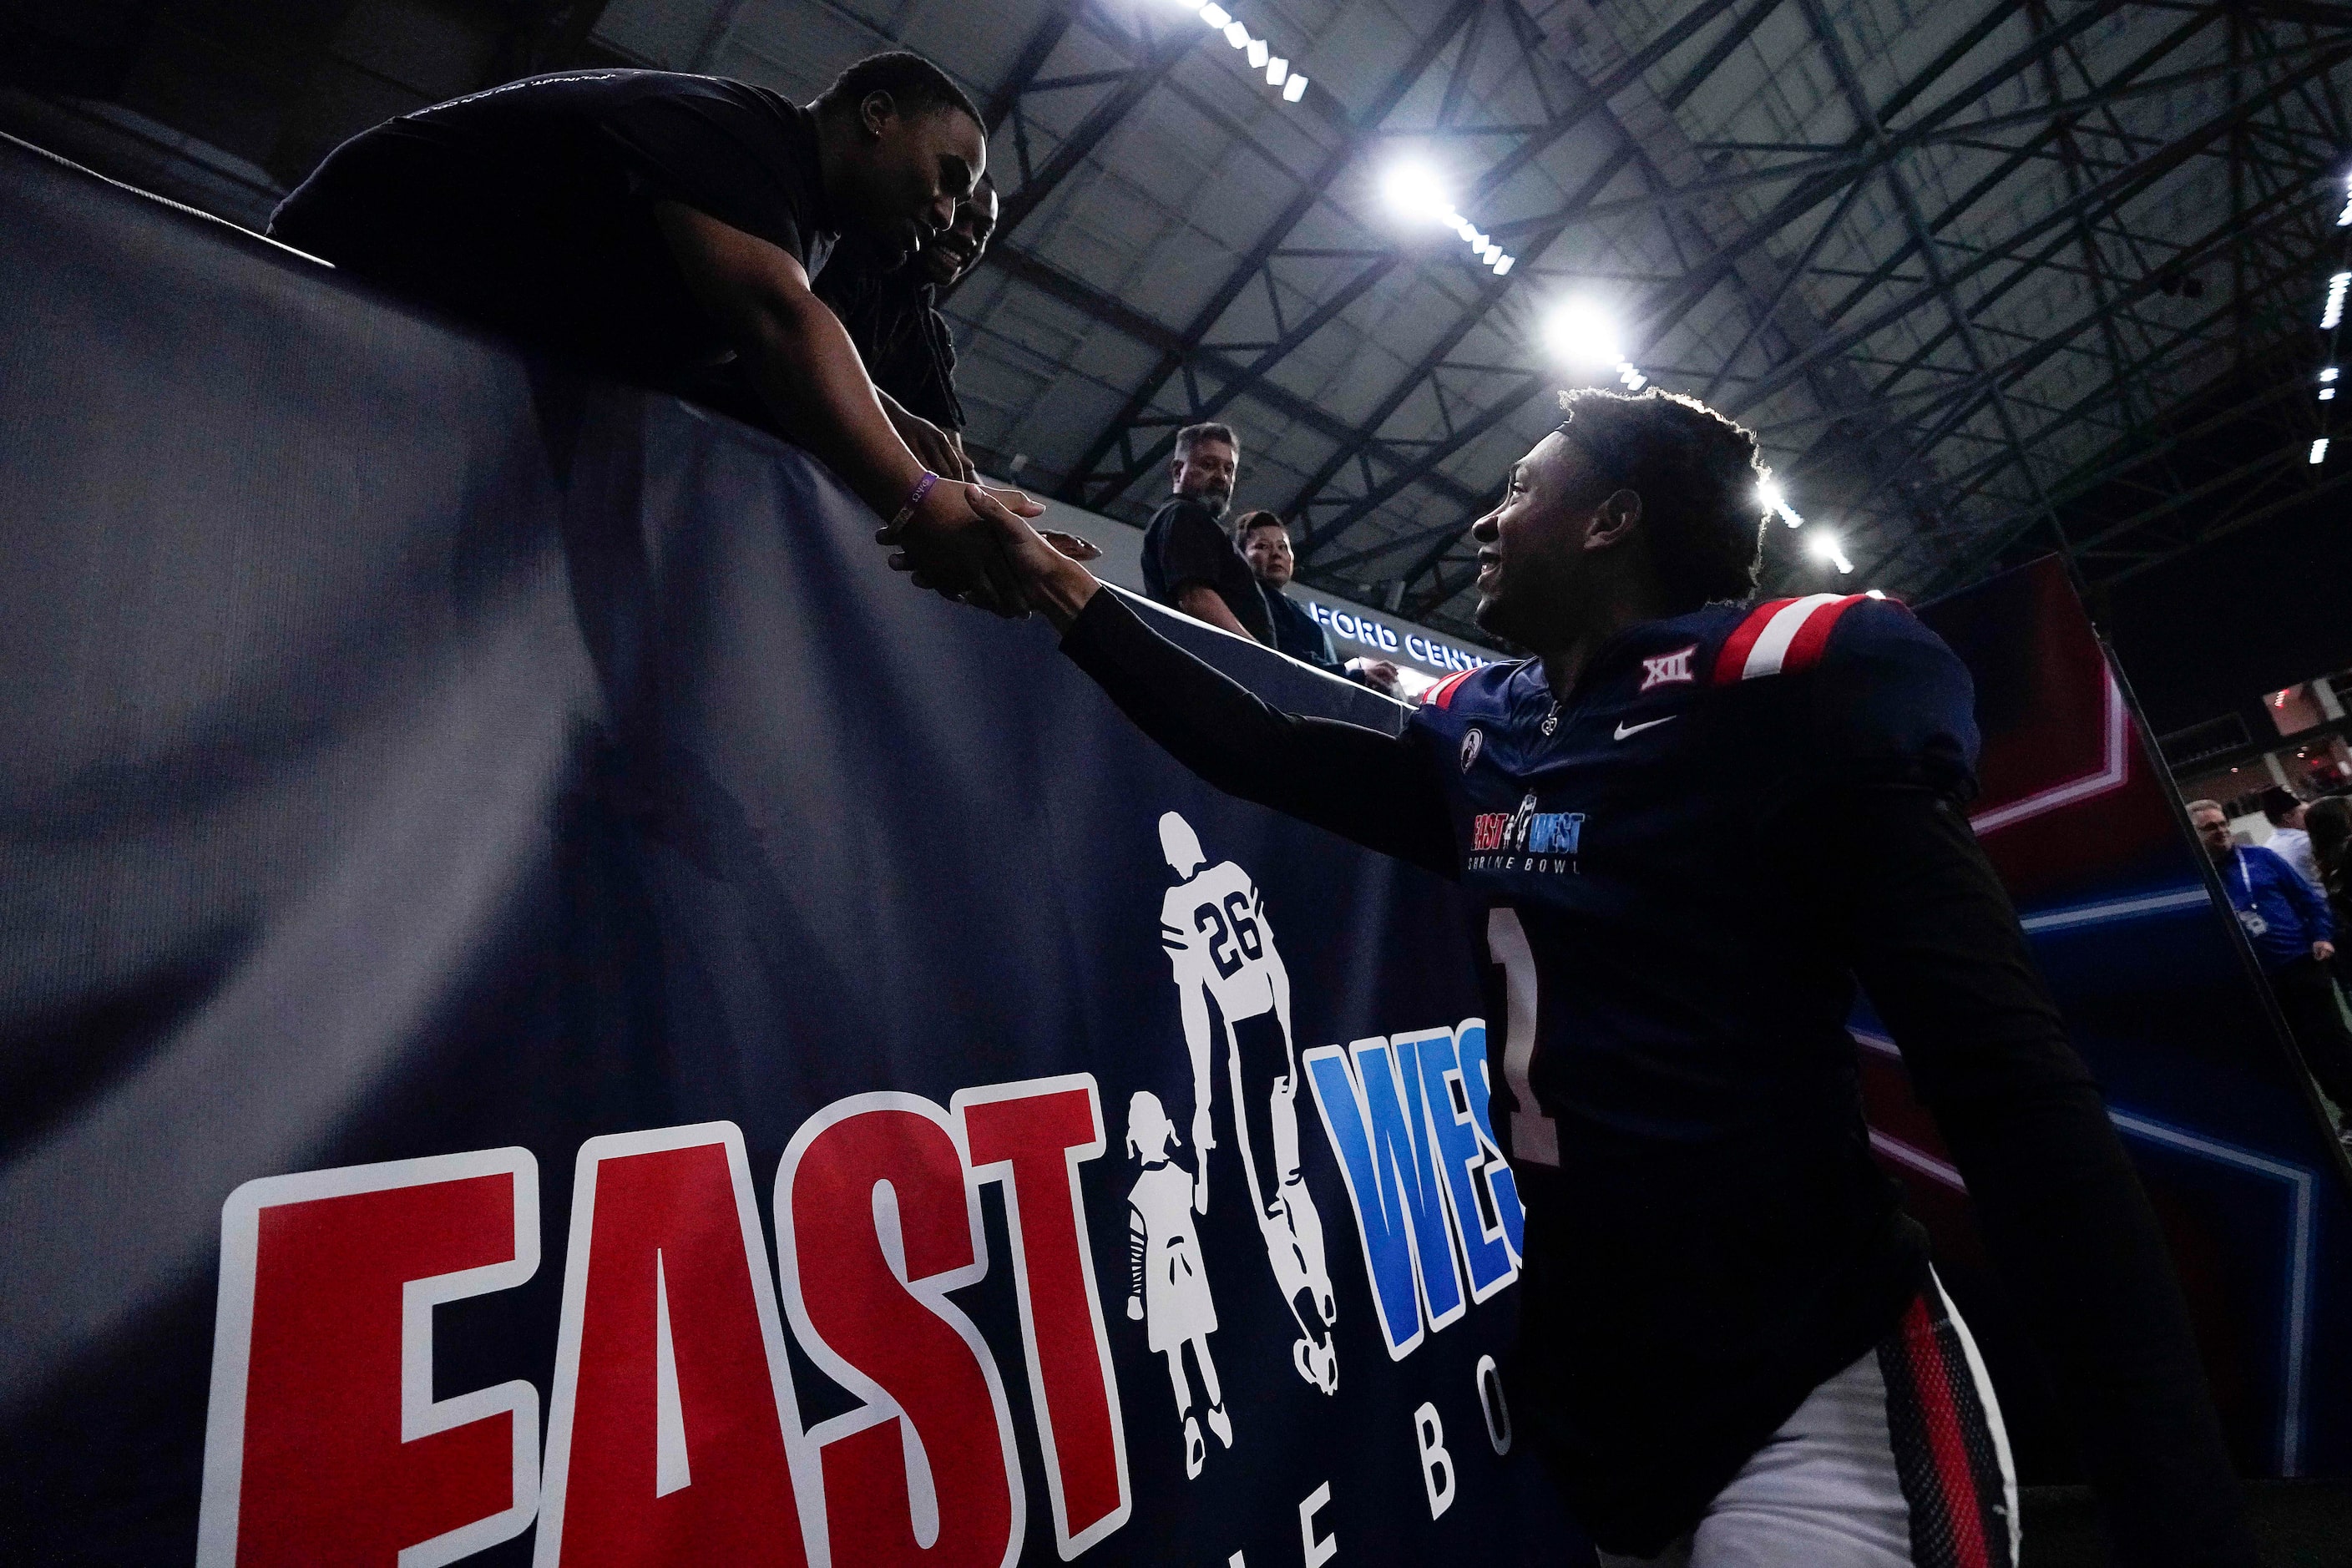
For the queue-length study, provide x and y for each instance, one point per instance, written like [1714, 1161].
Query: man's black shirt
[1297, 632]
[891, 313]
[530, 207]
[1185, 546]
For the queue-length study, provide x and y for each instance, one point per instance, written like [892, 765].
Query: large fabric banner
[553, 1010]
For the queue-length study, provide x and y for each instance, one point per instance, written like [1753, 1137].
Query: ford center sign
[1359, 626]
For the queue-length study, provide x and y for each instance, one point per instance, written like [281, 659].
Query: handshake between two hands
[974, 544]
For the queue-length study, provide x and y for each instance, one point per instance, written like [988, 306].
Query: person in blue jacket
[2293, 934]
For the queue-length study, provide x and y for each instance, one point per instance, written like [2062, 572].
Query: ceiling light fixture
[1256, 51]
[1824, 546]
[1580, 332]
[1777, 503]
[1415, 191]
[2331, 316]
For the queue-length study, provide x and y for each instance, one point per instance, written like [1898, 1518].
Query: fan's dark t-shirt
[890, 310]
[530, 207]
[1185, 545]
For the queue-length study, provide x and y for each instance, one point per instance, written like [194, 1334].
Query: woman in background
[2329, 820]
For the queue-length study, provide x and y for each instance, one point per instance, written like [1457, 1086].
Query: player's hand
[1135, 1308]
[1042, 577]
[1070, 545]
[2322, 950]
[953, 546]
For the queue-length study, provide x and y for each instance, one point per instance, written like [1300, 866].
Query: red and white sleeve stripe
[1442, 694]
[1783, 637]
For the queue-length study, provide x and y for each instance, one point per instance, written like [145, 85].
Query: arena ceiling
[1958, 263]
[1986, 276]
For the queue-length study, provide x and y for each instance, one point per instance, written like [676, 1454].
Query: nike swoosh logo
[1625, 730]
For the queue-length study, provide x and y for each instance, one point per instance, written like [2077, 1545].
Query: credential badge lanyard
[2249, 917]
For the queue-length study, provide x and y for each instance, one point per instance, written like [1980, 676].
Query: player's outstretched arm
[1930, 931]
[806, 368]
[1375, 789]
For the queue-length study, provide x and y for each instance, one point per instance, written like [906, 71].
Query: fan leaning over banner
[1690, 826]
[660, 226]
[889, 305]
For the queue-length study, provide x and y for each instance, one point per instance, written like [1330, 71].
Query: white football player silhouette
[1213, 925]
[1167, 1281]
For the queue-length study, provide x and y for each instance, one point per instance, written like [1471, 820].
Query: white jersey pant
[1899, 1461]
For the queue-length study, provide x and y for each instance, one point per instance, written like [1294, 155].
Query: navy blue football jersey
[1675, 874]
[1671, 1080]
[1617, 843]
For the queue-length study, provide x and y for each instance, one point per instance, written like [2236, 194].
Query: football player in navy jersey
[1690, 825]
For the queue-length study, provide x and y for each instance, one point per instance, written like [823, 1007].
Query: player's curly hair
[1697, 475]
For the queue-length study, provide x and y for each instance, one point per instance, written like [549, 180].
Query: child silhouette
[1167, 1285]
